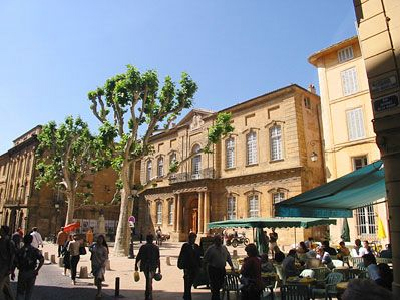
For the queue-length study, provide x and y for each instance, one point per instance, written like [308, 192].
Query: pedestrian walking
[99, 256]
[189, 262]
[66, 255]
[149, 258]
[62, 237]
[273, 241]
[7, 252]
[17, 238]
[216, 257]
[73, 248]
[158, 236]
[36, 238]
[29, 260]
[89, 236]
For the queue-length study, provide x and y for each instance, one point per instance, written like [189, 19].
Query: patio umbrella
[345, 231]
[381, 230]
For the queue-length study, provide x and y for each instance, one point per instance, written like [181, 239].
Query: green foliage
[67, 153]
[220, 129]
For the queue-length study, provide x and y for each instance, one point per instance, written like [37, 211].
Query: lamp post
[57, 208]
[131, 222]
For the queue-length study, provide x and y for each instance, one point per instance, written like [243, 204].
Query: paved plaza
[51, 284]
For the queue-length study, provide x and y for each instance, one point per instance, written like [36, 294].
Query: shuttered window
[251, 148]
[355, 124]
[276, 142]
[345, 54]
[230, 153]
[254, 208]
[349, 81]
[231, 213]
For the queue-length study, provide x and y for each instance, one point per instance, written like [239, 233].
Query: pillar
[178, 213]
[200, 209]
[206, 210]
[175, 212]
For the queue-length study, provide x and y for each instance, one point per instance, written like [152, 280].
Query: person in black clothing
[7, 252]
[149, 257]
[327, 248]
[279, 255]
[189, 262]
[27, 259]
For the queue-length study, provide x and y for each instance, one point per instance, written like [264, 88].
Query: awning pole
[295, 242]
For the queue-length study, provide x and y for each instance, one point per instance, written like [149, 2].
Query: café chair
[330, 286]
[355, 261]
[320, 274]
[337, 263]
[231, 284]
[295, 292]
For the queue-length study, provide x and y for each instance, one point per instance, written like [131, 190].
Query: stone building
[21, 205]
[274, 152]
[349, 137]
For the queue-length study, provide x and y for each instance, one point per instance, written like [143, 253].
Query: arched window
[196, 162]
[148, 170]
[230, 153]
[160, 167]
[159, 212]
[251, 140]
[254, 206]
[278, 197]
[275, 135]
[231, 212]
[170, 212]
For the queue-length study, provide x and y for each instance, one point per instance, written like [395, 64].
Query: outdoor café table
[301, 280]
[343, 270]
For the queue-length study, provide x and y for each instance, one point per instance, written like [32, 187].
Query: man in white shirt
[36, 238]
[358, 251]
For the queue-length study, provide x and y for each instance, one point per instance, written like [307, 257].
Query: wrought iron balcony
[184, 177]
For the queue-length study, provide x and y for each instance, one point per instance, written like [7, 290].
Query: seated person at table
[302, 248]
[342, 251]
[367, 247]
[358, 250]
[289, 264]
[372, 268]
[279, 256]
[327, 248]
[310, 243]
[325, 258]
[266, 265]
[386, 253]
[365, 289]
[252, 285]
[386, 275]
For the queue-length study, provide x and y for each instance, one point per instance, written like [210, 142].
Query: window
[349, 81]
[160, 167]
[307, 102]
[170, 213]
[253, 206]
[159, 212]
[148, 170]
[196, 162]
[359, 162]
[231, 212]
[345, 54]
[355, 124]
[278, 197]
[366, 220]
[276, 142]
[230, 153]
[172, 158]
[251, 148]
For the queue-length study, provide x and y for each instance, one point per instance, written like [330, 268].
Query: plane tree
[131, 106]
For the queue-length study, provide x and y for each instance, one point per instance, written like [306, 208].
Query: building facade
[266, 159]
[349, 138]
[24, 206]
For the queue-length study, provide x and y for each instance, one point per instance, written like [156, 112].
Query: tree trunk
[70, 208]
[122, 237]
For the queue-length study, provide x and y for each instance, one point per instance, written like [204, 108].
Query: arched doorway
[193, 215]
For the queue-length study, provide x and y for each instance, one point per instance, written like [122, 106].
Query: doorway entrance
[193, 216]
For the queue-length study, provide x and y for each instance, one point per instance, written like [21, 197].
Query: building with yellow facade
[349, 138]
[274, 153]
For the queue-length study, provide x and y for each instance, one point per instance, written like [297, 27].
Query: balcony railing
[201, 174]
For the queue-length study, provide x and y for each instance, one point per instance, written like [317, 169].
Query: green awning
[271, 222]
[338, 198]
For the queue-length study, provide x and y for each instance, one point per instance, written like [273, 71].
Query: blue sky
[53, 52]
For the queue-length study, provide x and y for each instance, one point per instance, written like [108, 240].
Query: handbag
[82, 250]
[136, 276]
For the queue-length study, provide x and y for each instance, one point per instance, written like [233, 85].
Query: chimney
[312, 89]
